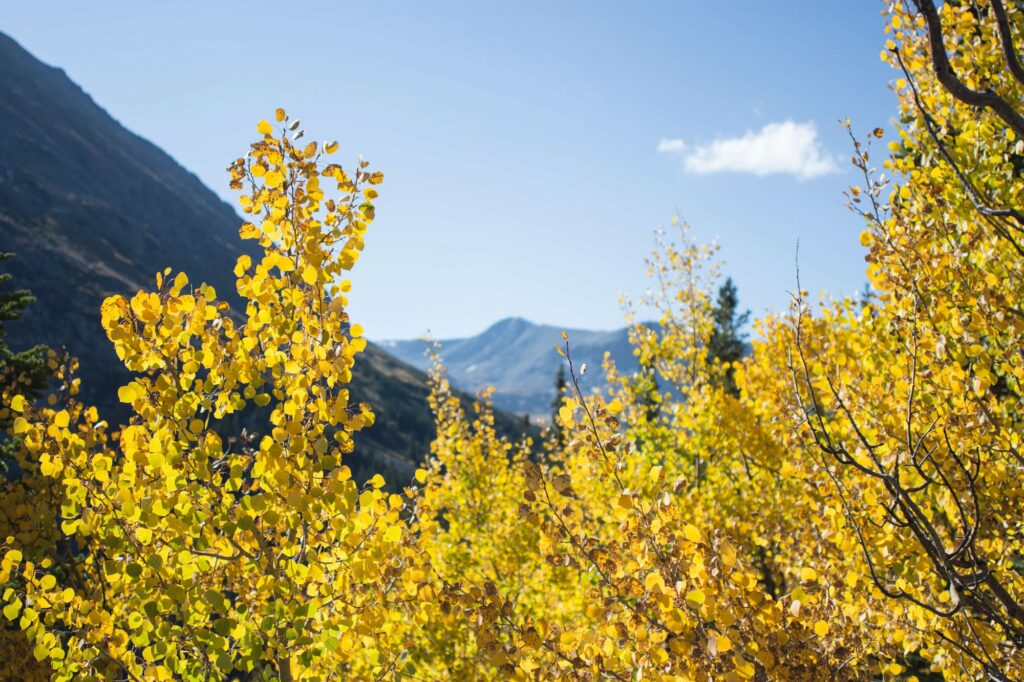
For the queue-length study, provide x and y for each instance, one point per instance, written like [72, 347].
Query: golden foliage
[855, 512]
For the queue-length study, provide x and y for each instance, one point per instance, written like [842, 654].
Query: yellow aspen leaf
[180, 282]
[12, 610]
[264, 128]
[273, 179]
[310, 275]
[744, 668]
[691, 533]
[243, 263]
[695, 598]
[377, 481]
[128, 393]
[18, 403]
[654, 582]
[821, 628]
[279, 115]
[336, 305]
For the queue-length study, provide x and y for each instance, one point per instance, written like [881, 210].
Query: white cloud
[667, 146]
[778, 148]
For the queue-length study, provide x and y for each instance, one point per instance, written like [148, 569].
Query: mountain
[517, 357]
[92, 209]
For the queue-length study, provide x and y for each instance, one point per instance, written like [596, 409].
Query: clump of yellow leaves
[210, 552]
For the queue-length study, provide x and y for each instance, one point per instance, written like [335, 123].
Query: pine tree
[647, 388]
[556, 403]
[25, 372]
[728, 340]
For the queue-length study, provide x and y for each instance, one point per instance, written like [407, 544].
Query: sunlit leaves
[177, 511]
[679, 532]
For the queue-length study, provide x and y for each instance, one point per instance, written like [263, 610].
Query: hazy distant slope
[92, 209]
[518, 358]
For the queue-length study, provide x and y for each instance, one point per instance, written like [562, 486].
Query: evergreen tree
[728, 340]
[647, 388]
[25, 372]
[560, 386]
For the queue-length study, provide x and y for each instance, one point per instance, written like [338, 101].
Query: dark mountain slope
[92, 209]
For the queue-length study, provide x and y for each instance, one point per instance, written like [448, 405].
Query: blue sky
[520, 142]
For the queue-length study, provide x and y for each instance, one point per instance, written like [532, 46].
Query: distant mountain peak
[510, 324]
[517, 357]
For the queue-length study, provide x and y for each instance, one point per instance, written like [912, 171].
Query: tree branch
[986, 98]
